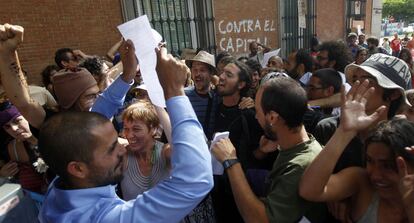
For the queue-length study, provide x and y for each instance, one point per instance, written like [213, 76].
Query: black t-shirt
[49, 113]
[245, 133]
[311, 119]
[354, 151]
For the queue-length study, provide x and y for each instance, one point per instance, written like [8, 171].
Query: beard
[227, 92]
[111, 177]
[268, 133]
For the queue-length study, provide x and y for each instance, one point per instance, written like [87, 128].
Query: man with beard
[335, 55]
[299, 66]
[257, 51]
[280, 105]
[203, 99]
[89, 166]
[245, 133]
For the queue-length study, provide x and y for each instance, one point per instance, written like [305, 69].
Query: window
[182, 23]
[355, 15]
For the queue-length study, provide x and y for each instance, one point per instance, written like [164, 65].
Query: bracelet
[229, 163]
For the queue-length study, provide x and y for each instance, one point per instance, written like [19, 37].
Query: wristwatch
[230, 162]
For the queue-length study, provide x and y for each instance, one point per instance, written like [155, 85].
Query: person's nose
[14, 127]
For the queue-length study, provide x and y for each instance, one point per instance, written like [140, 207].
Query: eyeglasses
[320, 58]
[314, 88]
[73, 58]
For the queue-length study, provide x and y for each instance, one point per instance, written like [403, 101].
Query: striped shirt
[135, 183]
[200, 105]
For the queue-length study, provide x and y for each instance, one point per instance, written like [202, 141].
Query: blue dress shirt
[112, 98]
[169, 201]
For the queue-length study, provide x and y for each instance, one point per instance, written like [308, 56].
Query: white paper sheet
[145, 40]
[218, 168]
[267, 56]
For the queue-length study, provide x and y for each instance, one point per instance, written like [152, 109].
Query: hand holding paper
[222, 149]
[129, 61]
[172, 73]
[145, 39]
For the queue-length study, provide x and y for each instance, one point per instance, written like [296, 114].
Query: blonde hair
[144, 111]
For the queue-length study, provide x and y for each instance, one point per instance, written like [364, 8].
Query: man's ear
[77, 169]
[394, 95]
[241, 85]
[272, 117]
[64, 63]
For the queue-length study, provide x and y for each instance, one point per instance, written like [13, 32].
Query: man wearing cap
[75, 89]
[352, 45]
[361, 41]
[203, 99]
[389, 76]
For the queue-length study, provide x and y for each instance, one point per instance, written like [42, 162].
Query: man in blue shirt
[89, 168]
[82, 149]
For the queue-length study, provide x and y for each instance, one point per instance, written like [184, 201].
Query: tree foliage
[401, 10]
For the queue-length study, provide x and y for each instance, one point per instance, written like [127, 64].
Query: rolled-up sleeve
[112, 99]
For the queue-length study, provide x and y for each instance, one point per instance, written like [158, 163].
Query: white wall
[376, 17]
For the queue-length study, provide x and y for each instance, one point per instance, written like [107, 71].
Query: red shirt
[395, 44]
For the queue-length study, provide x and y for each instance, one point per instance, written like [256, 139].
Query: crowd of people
[323, 135]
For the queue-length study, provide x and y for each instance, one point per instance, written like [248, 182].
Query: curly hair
[47, 73]
[93, 65]
[338, 52]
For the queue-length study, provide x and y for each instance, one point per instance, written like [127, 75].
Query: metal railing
[182, 23]
[292, 36]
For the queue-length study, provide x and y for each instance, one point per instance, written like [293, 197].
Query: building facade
[212, 25]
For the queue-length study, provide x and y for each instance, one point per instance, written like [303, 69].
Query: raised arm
[318, 183]
[191, 176]
[165, 122]
[329, 102]
[113, 97]
[265, 48]
[12, 77]
[111, 52]
[406, 185]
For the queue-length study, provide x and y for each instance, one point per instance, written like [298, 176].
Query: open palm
[406, 185]
[353, 115]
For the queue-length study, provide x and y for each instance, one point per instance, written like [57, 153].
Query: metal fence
[182, 23]
[292, 36]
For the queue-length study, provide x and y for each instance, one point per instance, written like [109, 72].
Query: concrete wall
[88, 25]
[239, 22]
